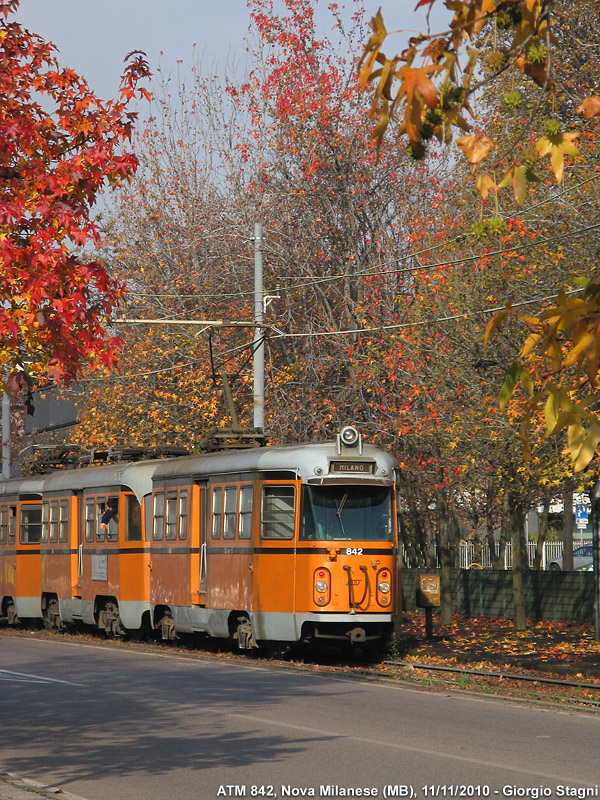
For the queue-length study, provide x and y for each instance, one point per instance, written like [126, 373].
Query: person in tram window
[110, 513]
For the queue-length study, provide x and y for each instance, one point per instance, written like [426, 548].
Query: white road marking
[23, 677]
[335, 734]
[396, 746]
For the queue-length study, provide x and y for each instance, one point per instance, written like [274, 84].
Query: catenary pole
[259, 334]
[595, 497]
[5, 435]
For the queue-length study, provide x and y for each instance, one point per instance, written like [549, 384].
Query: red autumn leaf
[59, 147]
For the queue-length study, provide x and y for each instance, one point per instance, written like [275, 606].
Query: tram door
[227, 568]
[200, 532]
[80, 527]
[8, 540]
[275, 562]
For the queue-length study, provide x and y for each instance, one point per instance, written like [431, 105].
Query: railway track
[528, 686]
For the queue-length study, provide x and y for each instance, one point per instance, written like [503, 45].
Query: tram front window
[348, 513]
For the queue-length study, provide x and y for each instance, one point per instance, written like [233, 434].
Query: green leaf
[526, 380]
[508, 387]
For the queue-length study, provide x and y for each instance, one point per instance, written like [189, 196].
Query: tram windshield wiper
[338, 510]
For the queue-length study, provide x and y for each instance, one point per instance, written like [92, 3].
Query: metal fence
[477, 556]
[474, 556]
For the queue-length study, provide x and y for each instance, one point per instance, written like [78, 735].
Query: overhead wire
[534, 244]
[381, 271]
[420, 323]
[321, 334]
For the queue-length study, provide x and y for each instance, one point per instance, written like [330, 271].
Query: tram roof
[304, 459]
[309, 461]
[136, 476]
[20, 486]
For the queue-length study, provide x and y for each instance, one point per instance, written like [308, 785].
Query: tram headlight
[384, 587]
[322, 586]
[349, 436]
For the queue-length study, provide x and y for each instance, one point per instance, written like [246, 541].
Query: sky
[94, 36]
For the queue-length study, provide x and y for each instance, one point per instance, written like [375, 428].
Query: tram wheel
[245, 635]
[166, 624]
[11, 613]
[52, 614]
[109, 619]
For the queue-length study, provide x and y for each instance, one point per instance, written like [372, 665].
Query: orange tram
[265, 545]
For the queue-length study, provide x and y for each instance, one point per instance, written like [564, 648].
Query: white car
[581, 558]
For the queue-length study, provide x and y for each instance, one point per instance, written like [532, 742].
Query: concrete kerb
[14, 787]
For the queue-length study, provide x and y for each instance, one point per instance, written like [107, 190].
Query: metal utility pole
[595, 498]
[5, 435]
[259, 333]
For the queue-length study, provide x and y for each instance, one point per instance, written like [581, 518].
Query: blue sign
[581, 512]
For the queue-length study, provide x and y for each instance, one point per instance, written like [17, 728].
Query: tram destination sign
[353, 467]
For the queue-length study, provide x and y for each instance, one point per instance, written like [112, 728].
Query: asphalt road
[117, 724]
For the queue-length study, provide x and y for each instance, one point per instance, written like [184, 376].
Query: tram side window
[183, 515]
[230, 512]
[50, 521]
[171, 519]
[109, 519]
[147, 506]
[53, 537]
[245, 518]
[158, 525]
[217, 512]
[31, 524]
[45, 520]
[12, 527]
[3, 524]
[100, 509]
[63, 523]
[90, 518]
[133, 519]
[278, 512]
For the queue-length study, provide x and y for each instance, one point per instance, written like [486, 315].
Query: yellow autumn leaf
[517, 176]
[530, 343]
[587, 340]
[476, 147]
[485, 184]
[495, 322]
[551, 410]
[372, 49]
[559, 412]
[590, 107]
[587, 449]
[384, 121]
[557, 147]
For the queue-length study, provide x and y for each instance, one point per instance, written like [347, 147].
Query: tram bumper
[353, 628]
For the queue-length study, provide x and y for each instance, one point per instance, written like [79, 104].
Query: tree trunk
[543, 530]
[444, 554]
[567, 531]
[407, 538]
[497, 560]
[421, 542]
[455, 536]
[520, 563]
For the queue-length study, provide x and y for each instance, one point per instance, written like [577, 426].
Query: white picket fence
[478, 556]
[472, 556]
